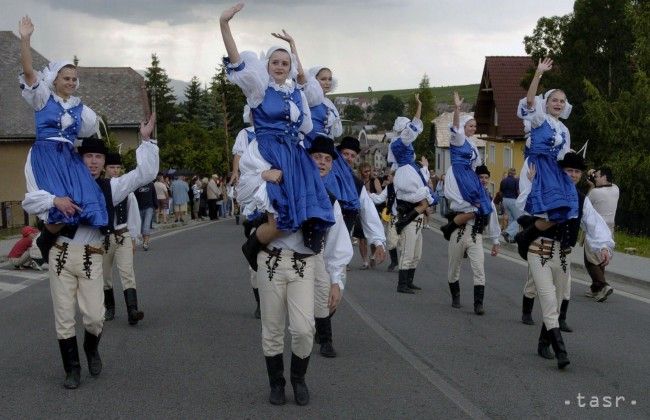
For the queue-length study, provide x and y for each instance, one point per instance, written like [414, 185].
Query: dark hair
[606, 171]
[324, 68]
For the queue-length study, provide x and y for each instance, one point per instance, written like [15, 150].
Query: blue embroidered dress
[53, 165]
[280, 114]
[551, 193]
[326, 121]
[462, 186]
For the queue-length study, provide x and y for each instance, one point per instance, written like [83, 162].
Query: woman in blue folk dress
[52, 164]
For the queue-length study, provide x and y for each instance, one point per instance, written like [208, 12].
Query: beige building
[114, 93]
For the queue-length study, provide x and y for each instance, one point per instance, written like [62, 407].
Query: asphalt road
[197, 353]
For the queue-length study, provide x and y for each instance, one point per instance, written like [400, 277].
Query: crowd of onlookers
[181, 198]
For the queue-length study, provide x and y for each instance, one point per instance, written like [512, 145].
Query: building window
[507, 157]
[493, 154]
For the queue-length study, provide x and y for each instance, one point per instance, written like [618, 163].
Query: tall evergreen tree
[193, 94]
[158, 85]
[424, 146]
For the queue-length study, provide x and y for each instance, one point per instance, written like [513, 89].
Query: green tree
[158, 85]
[193, 94]
[387, 109]
[189, 146]
[354, 113]
[547, 38]
[229, 101]
[424, 146]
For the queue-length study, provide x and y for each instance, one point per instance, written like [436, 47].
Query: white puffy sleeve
[536, 115]
[370, 222]
[250, 75]
[408, 186]
[598, 235]
[457, 137]
[313, 92]
[493, 231]
[307, 124]
[411, 132]
[337, 252]
[378, 198]
[35, 95]
[240, 143]
[525, 186]
[478, 161]
[133, 221]
[89, 122]
[452, 193]
[147, 159]
[251, 184]
[566, 148]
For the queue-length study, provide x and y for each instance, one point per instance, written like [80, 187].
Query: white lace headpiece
[315, 70]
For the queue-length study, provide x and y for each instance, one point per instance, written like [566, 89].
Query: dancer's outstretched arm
[301, 79]
[228, 40]
[26, 28]
[542, 66]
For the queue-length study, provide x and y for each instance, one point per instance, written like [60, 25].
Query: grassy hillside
[440, 93]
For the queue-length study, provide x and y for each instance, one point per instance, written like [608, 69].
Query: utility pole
[153, 110]
[224, 109]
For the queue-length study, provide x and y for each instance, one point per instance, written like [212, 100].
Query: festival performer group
[301, 202]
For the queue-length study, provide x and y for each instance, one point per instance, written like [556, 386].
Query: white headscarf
[567, 107]
[293, 73]
[464, 120]
[400, 124]
[315, 70]
[50, 72]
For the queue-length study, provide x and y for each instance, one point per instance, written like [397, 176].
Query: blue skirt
[301, 196]
[552, 191]
[471, 189]
[343, 186]
[59, 170]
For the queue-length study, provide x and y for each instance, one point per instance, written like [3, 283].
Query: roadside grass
[624, 240]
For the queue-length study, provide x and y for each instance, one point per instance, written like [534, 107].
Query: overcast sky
[386, 44]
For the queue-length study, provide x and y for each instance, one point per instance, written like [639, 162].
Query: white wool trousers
[392, 238]
[551, 282]
[75, 273]
[531, 292]
[286, 286]
[410, 244]
[120, 251]
[461, 241]
[321, 288]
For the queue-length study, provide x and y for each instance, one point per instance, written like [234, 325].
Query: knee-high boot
[454, 288]
[91, 345]
[298, 371]
[564, 306]
[527, 310]
[275, 370]
[109, 304]
[70, 356]
[558, 347]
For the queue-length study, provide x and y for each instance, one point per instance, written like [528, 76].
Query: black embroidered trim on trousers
[61, 258]
[299, 266]
[272, 262]
[461, 231]
[87, 262]
[107, 241]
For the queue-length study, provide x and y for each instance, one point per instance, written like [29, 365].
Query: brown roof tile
[504, 75]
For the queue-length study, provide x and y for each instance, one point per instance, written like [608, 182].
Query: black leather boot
[555, 336]
[71, 365]
[131, 299]
[324, 334]
[454, 288]
[562, 319]
[251, 248]
[410, 280]
[405, 219]
[298, 371]
[527, 310]
[526, 237]
[109, 304]
[479, 293]
[45, 242]
[402, 282]
[275, 370]
[91, 344]
[393, 259]
[257, 313]
[544, 344]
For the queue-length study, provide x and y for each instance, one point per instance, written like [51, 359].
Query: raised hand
[458, 101]
[417, 99]
[544, 65]
[231, 12]
[146, 128]
[283, 36]
[25, 27]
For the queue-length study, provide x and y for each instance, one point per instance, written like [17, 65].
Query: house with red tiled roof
[496, 113]
[114, 93]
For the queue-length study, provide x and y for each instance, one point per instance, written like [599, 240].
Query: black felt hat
[349, 143]
[113, 159]
[92, 145]
[574, 161]
[323, 144]
[482, 170]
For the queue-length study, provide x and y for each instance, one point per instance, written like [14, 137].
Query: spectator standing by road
[162, 195]
[509, 188]
[180, 198]
[604, 198]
